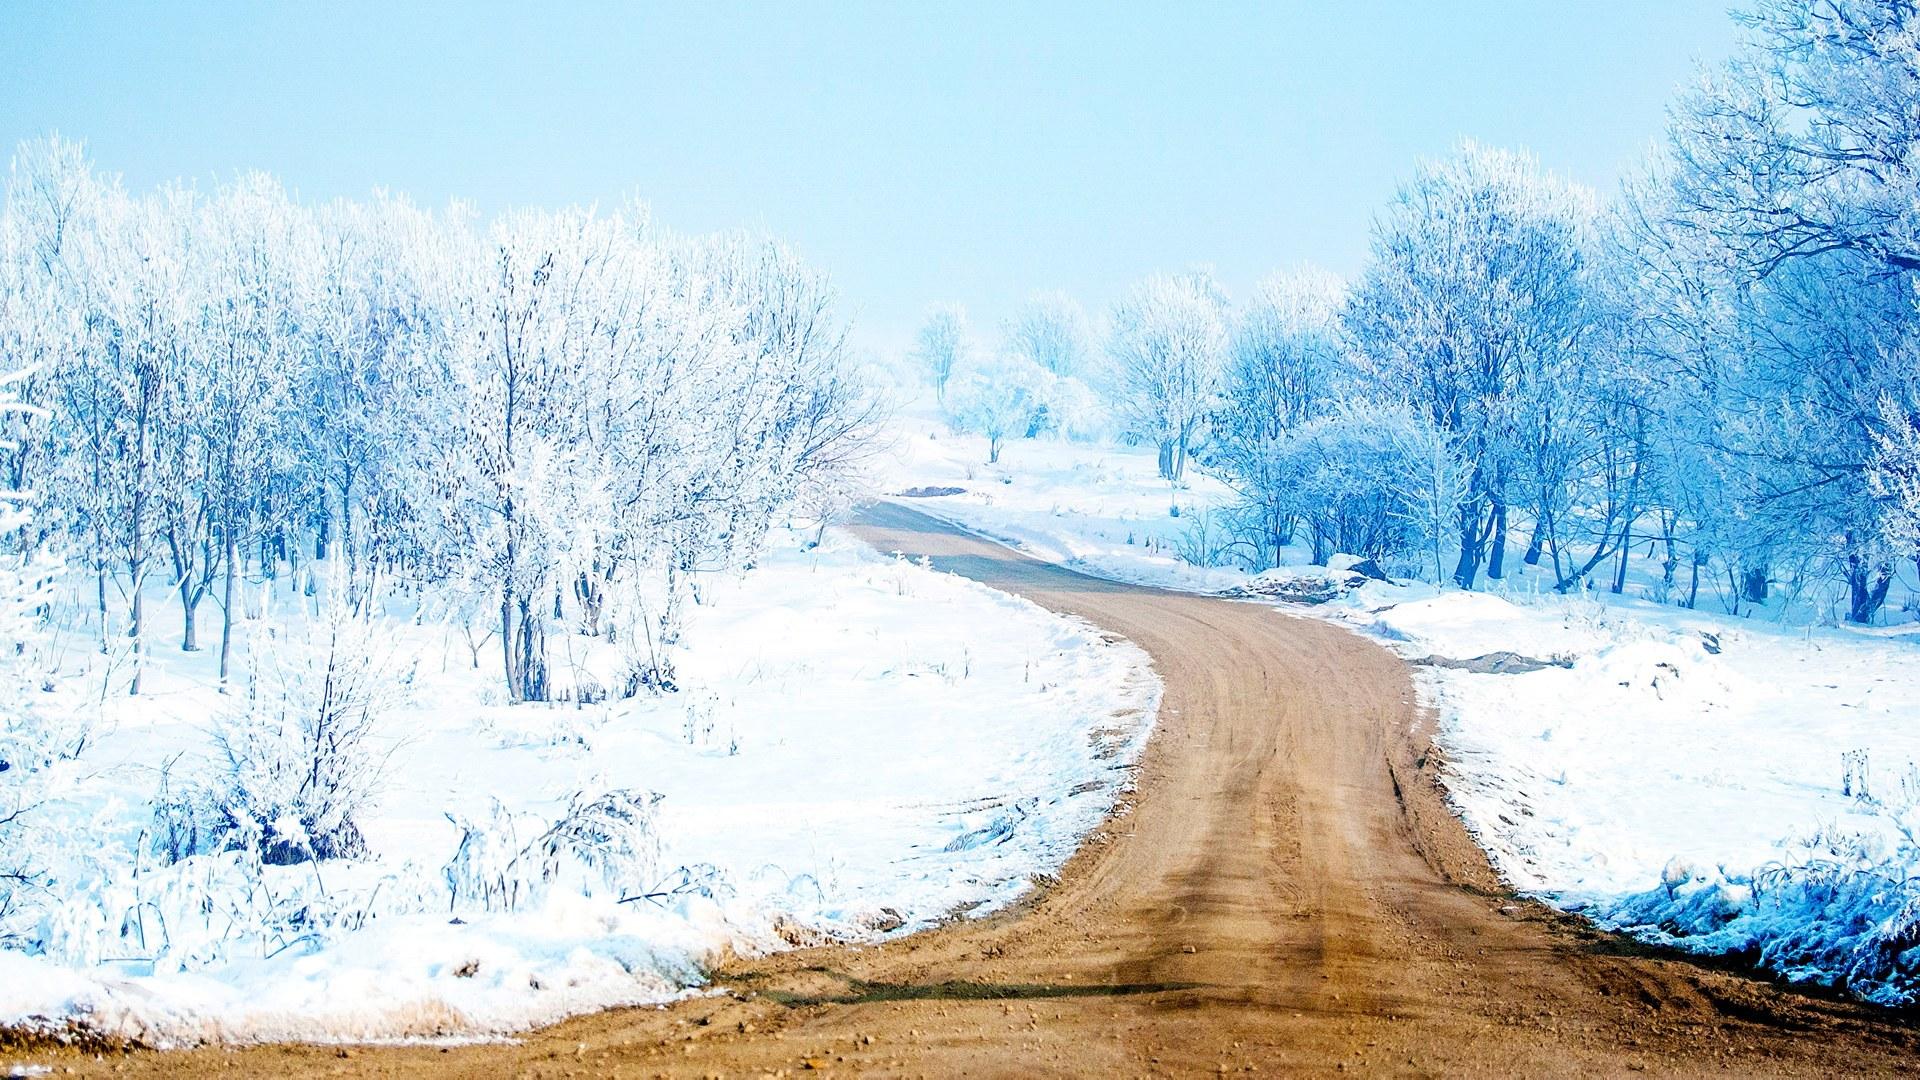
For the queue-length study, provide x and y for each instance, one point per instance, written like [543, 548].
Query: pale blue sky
[917, 152]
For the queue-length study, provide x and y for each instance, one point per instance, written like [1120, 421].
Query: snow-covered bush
[606, 844]
[1070, 409]
[301, 754]
[1000, 398]
[208, 910]
[1367, 480]
[1209, 539]
[643, 626]
[1844, 911]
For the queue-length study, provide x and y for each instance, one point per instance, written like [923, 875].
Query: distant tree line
[1719, 368]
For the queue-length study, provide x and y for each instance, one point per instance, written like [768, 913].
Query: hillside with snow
[848, 756]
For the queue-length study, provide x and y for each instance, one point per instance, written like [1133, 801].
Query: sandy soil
[1288, 892]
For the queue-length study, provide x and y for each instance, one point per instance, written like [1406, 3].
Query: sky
[919, 153]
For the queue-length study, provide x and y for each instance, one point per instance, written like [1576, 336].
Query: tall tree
[1476, 293]
[1285, 369]
[1168, 344]
[1050, 330]
[941, 345]
[1794, 182]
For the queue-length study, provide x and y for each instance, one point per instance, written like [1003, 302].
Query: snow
[1682, 759]
[1089, 506]
[860, 746]
[1677, 774]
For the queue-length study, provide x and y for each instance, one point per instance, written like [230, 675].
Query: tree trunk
[189, 608]
[137, 530]
[1472, 535]
[351, 557]
[530, 655]
[133, 634]
[100, 600]
[100, 559]
[291, 553]
[1600, 553]
[263, 554]
[1279, 535]
[1537, 546]
[523, 641]
[226, 605]
[1672, 561]
[1867, 588]
[587, 590]
[1626, 552]
[1497, 550]
[506, 640]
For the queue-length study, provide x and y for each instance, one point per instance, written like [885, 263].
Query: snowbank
[1707, 783]
[859, 747]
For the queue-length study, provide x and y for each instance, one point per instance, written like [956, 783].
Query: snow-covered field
[1716, 783]
[849, 755]
[1094, 507]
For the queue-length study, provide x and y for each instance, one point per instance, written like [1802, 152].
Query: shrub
[297, 755]
[1844, 911]
[605, 843]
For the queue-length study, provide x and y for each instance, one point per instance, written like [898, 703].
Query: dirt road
[1288, 894]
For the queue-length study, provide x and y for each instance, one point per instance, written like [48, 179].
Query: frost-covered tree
[531, 365]
[131, 292]
[533, 419]
[373, 386]
[1168, 343]
[1894, 473]
[30, 740]
[1000, 398]
[1050, 330]
[1791, 196]
[1804, 144]
[1285, 368]
[1475, 302]
[633, 408]
[71, 312]
[941, 345]
[50, 193]
[256, 251]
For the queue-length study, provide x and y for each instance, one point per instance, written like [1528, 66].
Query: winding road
[1288, 892]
